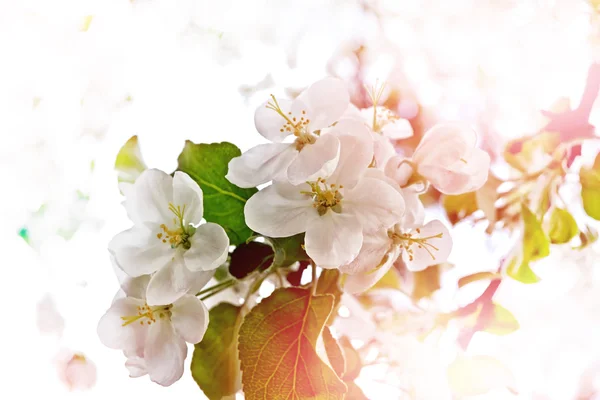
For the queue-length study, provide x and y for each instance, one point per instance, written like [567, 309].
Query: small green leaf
[535, 243]
[215, 366]
[277, 348]
[391, 280]
[224, 202]
[503, 322]
[334, 353]
[459, 207]
[288, 250]
[250, 257]
[535, 246]
[426, 282]
[129, 163]
[563, 227]
[519, 269]
[590, 188]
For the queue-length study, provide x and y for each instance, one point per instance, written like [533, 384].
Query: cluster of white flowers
[340, 181]
[335, 177]
[169, 256]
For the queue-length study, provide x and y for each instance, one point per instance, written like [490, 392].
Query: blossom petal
[383, 151]
[374, 203]
[136, 287]
[445, 144]
[173, 281]
[186, 192]
[148, 202]
[360, 282]
[209, 248]
[399, 169]
[414, 213]
[111, 331]
[446, 180]
[333, 239]
[269, 123]
[465, 175]
[326, 100]
[189, 316]
[164, 353]
[280, 210]
[476, 164]
[434, 250]
[374, 248]
[136, 365]
[356, 154]
[261, 164]
[398, 129]
[138, 252]
[315, 160]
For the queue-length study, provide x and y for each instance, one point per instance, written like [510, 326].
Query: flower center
[148, 314]
[325, 196]
[407, 240]
[180, 233]
[297, 126]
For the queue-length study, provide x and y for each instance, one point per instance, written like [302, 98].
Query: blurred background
[80, 77]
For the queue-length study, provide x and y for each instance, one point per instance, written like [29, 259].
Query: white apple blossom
[447, 158]
[334, 211]
[167, 239]
[385, 122]
[419, 244]
[385, 126]
[310, 154]
[153, 337]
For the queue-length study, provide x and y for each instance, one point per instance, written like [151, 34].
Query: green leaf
[503, 322]
[391, 280]
[459, 207]
[215, 366]
[535, 243]
[224, 202]
[519, 269]
[129, 163]
[334, 353]
[250, 257]
[426, 282]
[535, 246]
[329, 283]
[288, 250]
[563, 227]
[590, 188]
[277, 348]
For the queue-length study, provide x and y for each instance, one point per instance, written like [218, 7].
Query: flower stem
[216, 288]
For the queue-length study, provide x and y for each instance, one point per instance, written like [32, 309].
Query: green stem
[217, 286]
[218, 290]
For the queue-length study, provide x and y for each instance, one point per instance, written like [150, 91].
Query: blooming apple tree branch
[336, 196]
